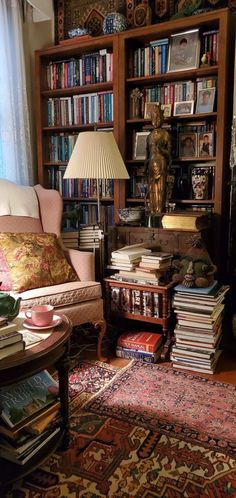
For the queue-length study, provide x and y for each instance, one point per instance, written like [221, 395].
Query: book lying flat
[23, 459]
[11, 349]
[187, 221]
[8, 327]
[141, 341]
[130, 253]
[22, 399]
[197, 290]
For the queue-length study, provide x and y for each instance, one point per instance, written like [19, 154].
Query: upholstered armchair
[38, 210]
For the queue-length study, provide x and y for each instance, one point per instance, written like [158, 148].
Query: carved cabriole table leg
[101, 325]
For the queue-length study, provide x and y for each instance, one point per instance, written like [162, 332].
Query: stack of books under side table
[198, 331]
[145, 346]
[29, 417]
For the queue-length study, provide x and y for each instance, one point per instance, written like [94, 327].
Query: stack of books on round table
[11, 341]
[198, 331]
[146, 346]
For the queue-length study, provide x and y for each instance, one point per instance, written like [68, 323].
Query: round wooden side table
[51, 351]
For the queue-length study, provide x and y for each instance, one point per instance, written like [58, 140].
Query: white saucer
[28, 324]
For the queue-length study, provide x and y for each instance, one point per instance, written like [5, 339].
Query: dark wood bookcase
[122, 46]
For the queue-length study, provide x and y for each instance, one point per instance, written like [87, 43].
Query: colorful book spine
[139, 355]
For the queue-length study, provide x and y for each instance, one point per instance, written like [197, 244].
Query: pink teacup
[41, 315]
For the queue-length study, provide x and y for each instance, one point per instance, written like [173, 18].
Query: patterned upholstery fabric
[35, 260]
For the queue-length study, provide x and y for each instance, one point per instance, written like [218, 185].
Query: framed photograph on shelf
[148, 108]
[205, 100]
[166, 108]
[188, 145]
[205, 144]
[140, 145]
[181, 108]
[184, 51]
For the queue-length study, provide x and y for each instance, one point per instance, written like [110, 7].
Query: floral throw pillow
[35, 260]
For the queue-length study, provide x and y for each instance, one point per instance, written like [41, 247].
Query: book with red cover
[140, 341]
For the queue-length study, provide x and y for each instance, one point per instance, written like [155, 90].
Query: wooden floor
[225, 371]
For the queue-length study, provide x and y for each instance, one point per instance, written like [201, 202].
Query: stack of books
[70, 238]
[29, 413]
[198, 332]
[137, 264]
[11, 341]
[89, 237]
[127, 258]
[144, 346]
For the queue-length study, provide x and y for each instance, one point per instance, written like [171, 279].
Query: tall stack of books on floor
[137, 264]
[29, 417]
[11, 341]
[198, 331]
[145, 346]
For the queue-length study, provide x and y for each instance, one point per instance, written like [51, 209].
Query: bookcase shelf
[122, 45]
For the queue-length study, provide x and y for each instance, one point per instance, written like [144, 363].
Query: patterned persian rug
[118, 448]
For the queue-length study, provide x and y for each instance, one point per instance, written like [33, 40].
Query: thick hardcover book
[11, 349]
[157, 256]
[10, 338]
[129, 253]
[23, 399]
[178, 221]
[140, 341]
[140, 355]
[8, 327]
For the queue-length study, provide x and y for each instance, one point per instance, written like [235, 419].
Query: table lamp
[96, 155]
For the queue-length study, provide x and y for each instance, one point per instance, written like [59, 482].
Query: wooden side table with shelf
[52, 351]
[160, 309]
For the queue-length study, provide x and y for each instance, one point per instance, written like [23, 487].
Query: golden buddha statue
[158, 161]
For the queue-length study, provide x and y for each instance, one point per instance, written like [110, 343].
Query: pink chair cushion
[5, 276]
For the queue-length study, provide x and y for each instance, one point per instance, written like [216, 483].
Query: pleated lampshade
[96, 155]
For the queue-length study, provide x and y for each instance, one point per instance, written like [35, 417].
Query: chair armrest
[83, 263]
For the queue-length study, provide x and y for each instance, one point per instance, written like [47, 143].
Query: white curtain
[15, 145]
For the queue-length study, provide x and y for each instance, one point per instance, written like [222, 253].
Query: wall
[36, 35]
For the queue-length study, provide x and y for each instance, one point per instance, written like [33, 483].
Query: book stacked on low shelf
[89, 237]
[29, 413]
[11, 341]
[70, 238]
[198, 331]
[127, 257]
[145, 266]
[144, 346]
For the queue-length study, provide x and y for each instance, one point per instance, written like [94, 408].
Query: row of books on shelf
[157, 56]
[198, 332]
[29, 417]
[145, 346]
[135, 301]
[61, 146]
[95, 67]
[171, 93]
[80, 109]
[88, 215]
[74, 187]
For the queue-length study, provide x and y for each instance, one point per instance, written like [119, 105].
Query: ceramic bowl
[130, 214]
[77, 32]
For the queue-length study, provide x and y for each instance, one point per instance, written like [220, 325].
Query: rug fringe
[120, 371]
